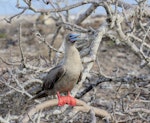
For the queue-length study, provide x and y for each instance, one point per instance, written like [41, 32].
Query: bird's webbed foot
[62, 100]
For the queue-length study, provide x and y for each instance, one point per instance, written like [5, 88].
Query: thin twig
[9, 20]
[20, 46]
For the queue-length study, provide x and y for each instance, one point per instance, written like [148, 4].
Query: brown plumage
[63, 77]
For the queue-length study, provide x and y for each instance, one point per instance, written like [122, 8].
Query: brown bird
[64, 76]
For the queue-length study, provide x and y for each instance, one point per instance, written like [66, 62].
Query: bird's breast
[73, 67]
[68, 80]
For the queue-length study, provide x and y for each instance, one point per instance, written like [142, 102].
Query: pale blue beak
[74, 37]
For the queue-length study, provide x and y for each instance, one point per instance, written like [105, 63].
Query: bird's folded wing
[53, 76]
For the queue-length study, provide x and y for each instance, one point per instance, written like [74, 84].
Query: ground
[113, 61]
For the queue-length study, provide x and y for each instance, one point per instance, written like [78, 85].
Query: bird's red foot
[62, 100]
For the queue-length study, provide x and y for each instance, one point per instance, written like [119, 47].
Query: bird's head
[72, 38]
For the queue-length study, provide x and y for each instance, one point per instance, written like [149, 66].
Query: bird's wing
[53, 76]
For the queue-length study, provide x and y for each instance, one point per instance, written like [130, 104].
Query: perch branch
[81, 106]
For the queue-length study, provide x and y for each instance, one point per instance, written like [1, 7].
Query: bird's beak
[74, 37]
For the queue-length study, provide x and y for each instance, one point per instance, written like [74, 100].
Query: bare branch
[81, 106]
[139, 110]
[20, 46]
[83, 16]
[8, 20]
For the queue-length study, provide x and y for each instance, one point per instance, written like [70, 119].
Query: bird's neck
[71, 55]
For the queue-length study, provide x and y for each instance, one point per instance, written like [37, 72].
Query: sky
[8, 7]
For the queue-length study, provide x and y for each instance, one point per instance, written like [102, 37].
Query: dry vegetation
[115, 50]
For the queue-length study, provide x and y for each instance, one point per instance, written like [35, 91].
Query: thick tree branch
[81, 106]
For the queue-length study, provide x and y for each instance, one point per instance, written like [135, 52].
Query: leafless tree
[124, 23]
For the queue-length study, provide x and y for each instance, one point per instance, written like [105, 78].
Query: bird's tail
[40, 94]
